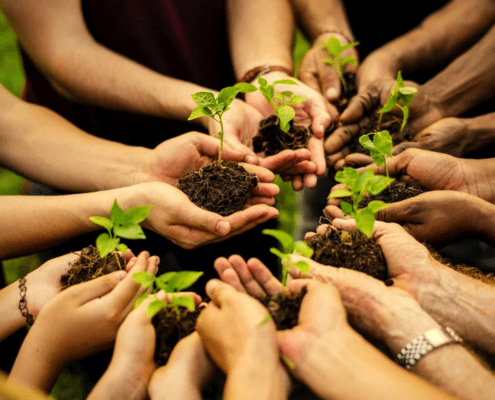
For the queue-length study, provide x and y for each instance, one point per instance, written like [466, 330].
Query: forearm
[118, 386]
[441, 36]
[46, 148]
[260, 33]
[467, 81]
[12, 319]
[322, 16]
[29, 224]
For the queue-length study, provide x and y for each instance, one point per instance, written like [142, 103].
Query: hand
[230, 328]
[377, 66]
[322, 77]
[187, 371]
[174, 216]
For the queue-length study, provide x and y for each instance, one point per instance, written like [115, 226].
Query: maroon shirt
[184, 39]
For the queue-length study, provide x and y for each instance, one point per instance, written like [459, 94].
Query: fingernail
[223, 228]
[249, 159]
[121, 274]
[389, 282]
[331, 93]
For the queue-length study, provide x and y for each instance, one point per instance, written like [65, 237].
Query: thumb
[235, 144]
[395, 212]
[210, 146]
[329, 81]
[407, 145]
[360, 105]
[195, 217]
[84, 292]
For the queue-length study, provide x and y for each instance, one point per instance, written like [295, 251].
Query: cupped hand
[322, 77]
[174, 216]
[231, 328]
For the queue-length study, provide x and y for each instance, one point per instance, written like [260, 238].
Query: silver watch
[423, 344]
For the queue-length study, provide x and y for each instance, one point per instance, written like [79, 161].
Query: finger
[221, 264]
[210, 146]
[348, 225]
[220, 293]
[251, 286]
[129, 255]
[249, 218]
[362, 104]
[396, 212]
[131, 263]
[253, 201]
[408, 145]
[339, 165]
[315, 146]
[203, 220]
[263, 174]
[320, 229]
[308, 73]
[329, 81]
[266, 190]
[356, 160]
[169, 297]
[321, 119]
[310, 180]
[233, 140]
[95, 288]
[340, 138]
[230, 277]
[308, 235]
[332, 212]
[264, 277]
[285, 160]
[297, 182]
[304, 167]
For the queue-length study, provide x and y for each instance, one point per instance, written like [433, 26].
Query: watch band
[423, 344]
[262, 70]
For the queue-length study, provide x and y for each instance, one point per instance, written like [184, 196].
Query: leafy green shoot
[281, 100]
[359, 185]
[289, 246]
[169, 282]
[209, 106]
[379, 148]
[400, 96]
[121, 224]
[290, 364]
[336, 61]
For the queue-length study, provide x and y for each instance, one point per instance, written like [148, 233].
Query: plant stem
[379, 122]
[221, 133]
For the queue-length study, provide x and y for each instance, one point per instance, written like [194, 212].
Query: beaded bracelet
[23, 302]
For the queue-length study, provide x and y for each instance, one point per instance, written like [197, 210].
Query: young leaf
[406, 116]
[138, 214]
[362, 182]
[399, 80]
[154, 307]
[349, 45]
[378, 183]
[145, 279]
[200, 112]
[408, 90]
[182, 280]
[184, 301]
[348, 60]
[329, 61]
[130, 232]
[383, 142]
[117, 215]
[105, 244]
[102, 221]
[245, 87]
[365, 220]
[285, 82]
[366, 142]
[390, 103]
[262, 82]
[296, 100]
[286, 240]
[266, 94]
[285, 94]
[122, 248]
[346, 207]
[333, 46]
[302, 266]
[377, 205]
[278, 253]
[339, 193]
[349, 177]
[140, 299]
[302, 248]
[204, 99]
[285, 114]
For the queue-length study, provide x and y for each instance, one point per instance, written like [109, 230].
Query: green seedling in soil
[169, 282]
[379, 148]
[289, 246]
[400, 96]
[281, 101]
[335, 50]
[209, 106]
[359, 185]
[121, 224]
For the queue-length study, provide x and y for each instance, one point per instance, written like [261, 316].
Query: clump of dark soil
[284, 308]
[90, 266]
[272, 140]
[170, 328]
[345, 250]
[220, 190]
[343, 100]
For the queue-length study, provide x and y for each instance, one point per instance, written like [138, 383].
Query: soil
[220, 190]
[341, 103]
[284, 308]
[272, 140]
[345, 250]
[90, 266]
[397, 191]
[171, 327]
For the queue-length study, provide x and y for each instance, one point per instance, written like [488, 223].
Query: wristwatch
[423, 344]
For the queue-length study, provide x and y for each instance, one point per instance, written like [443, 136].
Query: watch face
[438, 337]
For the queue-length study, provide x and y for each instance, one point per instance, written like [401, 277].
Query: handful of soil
[220, 190]
[284, 308]
[355, 251]
[90, 266]
[272, 140]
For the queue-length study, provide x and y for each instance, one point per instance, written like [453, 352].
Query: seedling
[358, 186]
[379, 148]
[169, 282]
[335, 50]
[121, 224]
[289, 246]
[281, 101]
[400, 96]
[209, 106]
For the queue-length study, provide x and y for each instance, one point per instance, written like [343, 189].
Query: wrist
[119, 382]
[12, 319]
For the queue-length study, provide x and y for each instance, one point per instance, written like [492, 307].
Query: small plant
[281, 101]
[289, 246]
[209, 106]
[400, 96]
[121, 224]
[169, 282]
[335, 50]
[379, 148]
[358, 186]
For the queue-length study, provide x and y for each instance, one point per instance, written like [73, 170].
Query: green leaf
[162, 280]
[377, 184]
[129, 231]
[377, 157]
[390, 103]
[377, 205]
[405, 110]
[278, 253]
[297, 100]
[406, 99]
[329, 61]
[227, 95]
[339, 193]
[363, 180]
[245, 87]
[302, 266]
[348, 177]
[366, 142]
[382, 141]
[102, 221]
[285, 93]
[262, 81]
[140, 299]
[122, 248]
[301, 247]
[145, 279]
[105, 244]
[407, 91]
[399, 81]
[266, 94]
[200, 112]
[136, 215]
[184, 301]
[285, 82]
[286, 240]
[365, 219]
[182, 280]
[349, 45]
[154, 307]
[348, 60]
[117, 215]
[204, 99]
[333, 46]
[285, 114]
[346, 207]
